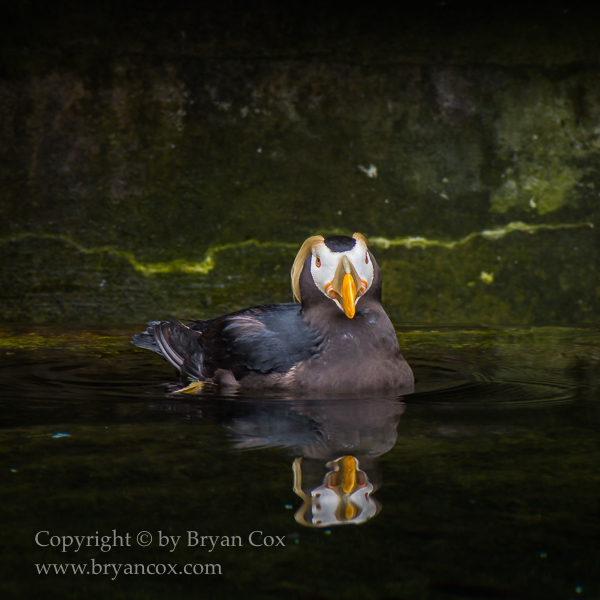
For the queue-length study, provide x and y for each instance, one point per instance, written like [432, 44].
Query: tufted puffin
[336, 338]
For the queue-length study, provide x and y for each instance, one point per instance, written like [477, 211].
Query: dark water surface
[484, 483]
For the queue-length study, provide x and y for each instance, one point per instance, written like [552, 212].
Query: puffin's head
[341, 268]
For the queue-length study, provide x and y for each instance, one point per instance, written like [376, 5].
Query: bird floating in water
[336, 338]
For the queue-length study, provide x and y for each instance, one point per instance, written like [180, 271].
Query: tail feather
[176, 343]
[146, 339]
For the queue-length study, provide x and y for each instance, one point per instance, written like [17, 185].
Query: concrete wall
[164, 159]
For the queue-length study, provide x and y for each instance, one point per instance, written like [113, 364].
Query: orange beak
[348, 295]
[346, 286]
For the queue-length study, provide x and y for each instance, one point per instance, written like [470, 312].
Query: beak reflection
[343, 498]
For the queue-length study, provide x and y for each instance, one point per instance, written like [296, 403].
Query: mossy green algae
[533, 274]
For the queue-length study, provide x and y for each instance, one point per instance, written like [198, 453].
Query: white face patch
[324, 265]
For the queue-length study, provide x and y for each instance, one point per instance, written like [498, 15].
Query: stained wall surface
[168, 159]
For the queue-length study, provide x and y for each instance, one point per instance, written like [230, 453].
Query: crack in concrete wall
[207, 264]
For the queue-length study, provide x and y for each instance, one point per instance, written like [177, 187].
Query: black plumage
[307, 346]
[340, 243]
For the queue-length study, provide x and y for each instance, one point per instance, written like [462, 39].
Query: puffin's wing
[176, 343]
[263, 339]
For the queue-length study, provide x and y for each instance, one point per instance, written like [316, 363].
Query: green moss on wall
[125, 158]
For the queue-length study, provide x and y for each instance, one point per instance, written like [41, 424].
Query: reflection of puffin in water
[347, 435]
[337, 339]
[344, 496]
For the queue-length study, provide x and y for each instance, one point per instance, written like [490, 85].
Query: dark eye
[367, 258]
[318, 261]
